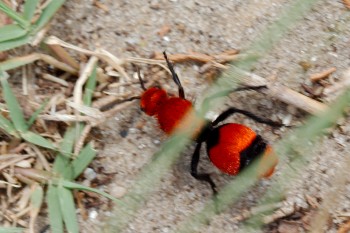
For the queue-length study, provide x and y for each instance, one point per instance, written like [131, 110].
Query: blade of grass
[54, 209]
[90, 87]
[66, 199]
[11, 230]
[47, 13]
[10, 44]
[37, 140]
[83, 160]
[29, 9]
[16, 114]
[36, 113]
[11, 32]
[8, 126]
[18, 61]
[14, 15]
[36, 200]
[62, 162]
[72, 185]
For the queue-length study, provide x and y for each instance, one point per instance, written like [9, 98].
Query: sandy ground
[130, 28]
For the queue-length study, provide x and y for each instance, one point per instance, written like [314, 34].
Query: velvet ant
[231, 147]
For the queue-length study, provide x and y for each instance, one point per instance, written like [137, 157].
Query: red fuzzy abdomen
[172, 112]
[224, 151]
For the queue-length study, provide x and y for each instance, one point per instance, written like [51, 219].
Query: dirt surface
[139, 28]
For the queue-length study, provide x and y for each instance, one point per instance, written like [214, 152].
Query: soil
[139, 28]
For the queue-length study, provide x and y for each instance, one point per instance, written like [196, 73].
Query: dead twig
[337, 87]
[55, 79]
[344, 228]
[200, 57]
[347, 4]
[284, 94]
[80, 142]
[324, 74]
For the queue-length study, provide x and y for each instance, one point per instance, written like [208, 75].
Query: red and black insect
[230, 147]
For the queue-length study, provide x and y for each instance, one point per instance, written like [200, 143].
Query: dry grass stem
[24, 199]
[39, 36]
[65, 118]
[104, 55]
[257, 210]
[80, 142]
[322, 75]
[55, 79]
[285, 94]
[41, 157]
[109, 100]
[8, 183]
[199, 57]
[78, 88]
[52, 61]
[286, 210]
[89, 111]
[64, 56]
[14, 161]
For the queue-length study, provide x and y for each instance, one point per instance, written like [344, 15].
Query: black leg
[233, 110]
[249, 88]
[224, 93]
[194, 169]
[175, 77]
[142, 83]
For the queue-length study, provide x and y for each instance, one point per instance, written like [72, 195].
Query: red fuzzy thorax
[169, 111]
[172, 112]
[232, 140]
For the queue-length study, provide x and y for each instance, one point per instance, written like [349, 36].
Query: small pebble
[89, 174]
[118, 191]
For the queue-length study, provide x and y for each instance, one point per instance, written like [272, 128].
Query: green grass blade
[18, 61]
[54, 209]
[29, 9]
[36, 113]
[36, 198]
[83, 160]
[47, 13]
[90, 87]
[16, 114]
[37, 140]
[8, 126]
[62, 162]
[14, 15]
[66, 199]
[72, 185]
[11, 230]
[11, 32]
[10, 44]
